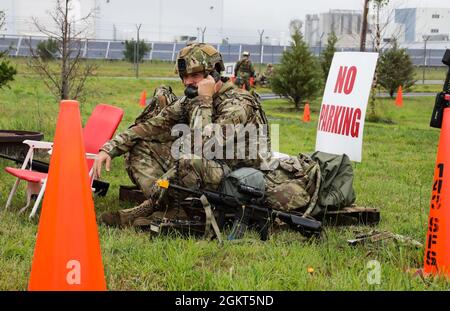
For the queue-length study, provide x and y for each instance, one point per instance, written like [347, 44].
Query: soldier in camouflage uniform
[145, 159]
[208, 100]
[264, 78]
[243, 71]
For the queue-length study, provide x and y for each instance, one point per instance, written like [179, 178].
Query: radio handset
[192, 91]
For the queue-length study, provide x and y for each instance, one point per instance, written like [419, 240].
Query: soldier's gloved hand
[206, 86]
[102, 157]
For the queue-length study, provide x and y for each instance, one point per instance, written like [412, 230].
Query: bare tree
[362, 45]
[378, 5]
[381, 21]
[68, 79]
[379, 27]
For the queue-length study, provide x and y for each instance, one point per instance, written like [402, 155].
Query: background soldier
[243, 71]
[263, 78]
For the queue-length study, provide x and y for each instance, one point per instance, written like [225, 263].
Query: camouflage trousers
[243, 80]
[146, 163]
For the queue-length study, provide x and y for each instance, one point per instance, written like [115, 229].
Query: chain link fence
[19, 46]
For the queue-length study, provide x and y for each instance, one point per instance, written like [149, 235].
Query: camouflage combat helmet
[198, 57]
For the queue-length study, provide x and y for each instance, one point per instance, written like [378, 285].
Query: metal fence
[167, 51]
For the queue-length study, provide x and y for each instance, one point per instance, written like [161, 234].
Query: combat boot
[126, 217]
[160, 216]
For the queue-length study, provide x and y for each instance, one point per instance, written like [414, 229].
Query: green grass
[395, 175]
[112, 68]
[426, 88]
[431, 73]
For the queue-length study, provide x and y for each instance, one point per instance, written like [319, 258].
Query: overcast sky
[162, 20]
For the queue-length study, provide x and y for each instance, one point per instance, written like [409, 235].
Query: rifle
[249, 214]
[101, 187]
[442, 98]
[375, 236]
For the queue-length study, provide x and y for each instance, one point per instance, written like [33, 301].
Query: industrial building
[346, 24]
[407, 25]
[421, 24]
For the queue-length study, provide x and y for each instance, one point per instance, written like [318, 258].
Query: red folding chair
[99, 128]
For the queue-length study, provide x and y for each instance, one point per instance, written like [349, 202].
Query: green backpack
[336, 189]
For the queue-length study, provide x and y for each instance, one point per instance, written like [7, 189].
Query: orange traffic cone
[143, 99]
[437, 251]
[67, 253]
[399, 98]
[306, 113]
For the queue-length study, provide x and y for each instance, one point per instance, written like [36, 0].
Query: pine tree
[299, 76]
[327, 56]
[395, 68]
[48, 49]
[130, 49]
[66, 76]
[7, 72]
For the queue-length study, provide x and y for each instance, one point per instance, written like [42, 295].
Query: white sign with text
[229, 70]
[341, 120]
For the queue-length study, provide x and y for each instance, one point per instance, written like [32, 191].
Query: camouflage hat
[198, 57]
[245, 53]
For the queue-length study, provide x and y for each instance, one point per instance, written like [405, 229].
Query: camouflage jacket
[237, 107]
[128, 141]
[229, 106]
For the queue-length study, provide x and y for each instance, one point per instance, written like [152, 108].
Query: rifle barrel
[7, 157]
[36, 165]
